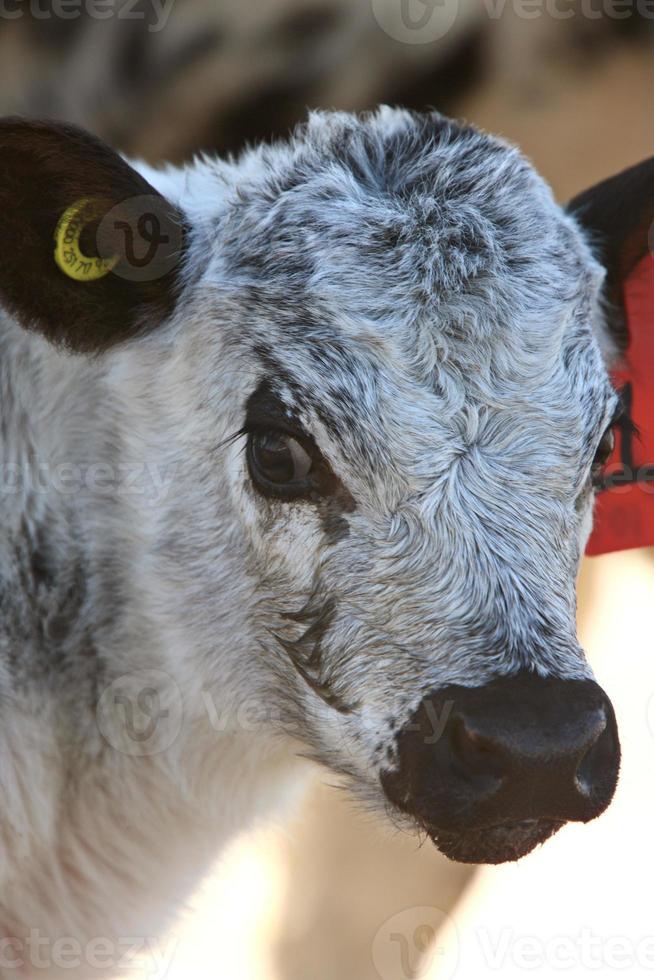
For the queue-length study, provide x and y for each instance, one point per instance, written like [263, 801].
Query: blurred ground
[333, 896]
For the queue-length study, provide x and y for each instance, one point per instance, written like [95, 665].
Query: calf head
[384, 379]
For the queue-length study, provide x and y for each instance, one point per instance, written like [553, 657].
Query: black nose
[521, 752]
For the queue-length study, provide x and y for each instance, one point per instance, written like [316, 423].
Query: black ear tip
[618, 214]
[90, 252]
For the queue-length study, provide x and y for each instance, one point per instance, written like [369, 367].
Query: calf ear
[618, 215]
[90, 253]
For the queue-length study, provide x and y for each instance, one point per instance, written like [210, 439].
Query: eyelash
[321, 481]
[621, 416]
[622, 423]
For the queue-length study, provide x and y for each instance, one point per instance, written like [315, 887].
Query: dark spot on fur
[42, 563]
[334, 524]
[47, 634]
[305, 652]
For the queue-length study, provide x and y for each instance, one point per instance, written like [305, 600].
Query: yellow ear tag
[68, 254]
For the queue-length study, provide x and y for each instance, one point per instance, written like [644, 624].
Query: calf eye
[604, 449]
[278, 463]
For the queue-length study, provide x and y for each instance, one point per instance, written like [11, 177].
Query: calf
[298, 460]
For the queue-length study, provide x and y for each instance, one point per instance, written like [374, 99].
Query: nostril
[599, 761]
[475, 755]
[514, 760]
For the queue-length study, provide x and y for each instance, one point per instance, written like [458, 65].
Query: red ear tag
[624, 512]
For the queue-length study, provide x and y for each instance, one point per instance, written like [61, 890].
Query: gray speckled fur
[411, 289]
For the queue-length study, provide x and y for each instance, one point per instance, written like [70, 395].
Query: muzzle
[491, 771]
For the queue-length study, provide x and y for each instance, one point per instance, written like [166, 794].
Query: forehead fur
[435, 245]
[409, 255]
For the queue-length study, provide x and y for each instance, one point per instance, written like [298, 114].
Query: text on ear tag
[68, 253]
